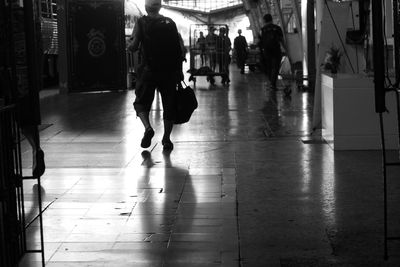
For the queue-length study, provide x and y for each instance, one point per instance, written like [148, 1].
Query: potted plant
[332, 60]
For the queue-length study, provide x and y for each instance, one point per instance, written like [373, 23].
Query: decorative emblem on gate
[96, 45]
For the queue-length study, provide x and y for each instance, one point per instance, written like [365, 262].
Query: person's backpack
[161, 48]
[271, 36]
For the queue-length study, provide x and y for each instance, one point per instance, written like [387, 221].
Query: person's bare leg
[148, 130]
[32, 135]
[144, 117]
[166, 141]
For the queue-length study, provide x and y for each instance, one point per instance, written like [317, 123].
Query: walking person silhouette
[157, 39]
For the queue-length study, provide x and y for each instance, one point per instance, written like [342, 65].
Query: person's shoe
[167, 144]
[146, 140]
[145, 154]
[38, 165]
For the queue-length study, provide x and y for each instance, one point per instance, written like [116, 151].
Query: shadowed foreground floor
[239, 189]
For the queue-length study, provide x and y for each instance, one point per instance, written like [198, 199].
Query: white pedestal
[349, 120]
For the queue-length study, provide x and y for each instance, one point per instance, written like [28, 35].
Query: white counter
[349, 120]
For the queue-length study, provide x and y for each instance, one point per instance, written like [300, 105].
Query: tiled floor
[239, 189]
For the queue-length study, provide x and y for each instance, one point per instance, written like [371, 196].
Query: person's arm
[136, 36]
[183, 48]
[282, 41]
[246, 44]
[259, 43]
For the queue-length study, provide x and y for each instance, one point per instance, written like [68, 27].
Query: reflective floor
[240, 188]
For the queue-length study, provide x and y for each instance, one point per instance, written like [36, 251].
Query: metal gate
[12, 211]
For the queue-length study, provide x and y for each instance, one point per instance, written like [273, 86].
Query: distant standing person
[224, 46]
[201, 43]
[271, 40]
[211, 47]
[159, 42]
[240, 47]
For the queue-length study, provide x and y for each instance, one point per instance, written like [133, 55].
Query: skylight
[202, 5]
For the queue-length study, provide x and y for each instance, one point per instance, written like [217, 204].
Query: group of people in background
[216, 48]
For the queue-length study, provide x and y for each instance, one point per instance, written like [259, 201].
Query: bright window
[203, 5]
[48, 9]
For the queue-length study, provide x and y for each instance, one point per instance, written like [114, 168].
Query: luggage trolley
[209, 52]
[253, 60]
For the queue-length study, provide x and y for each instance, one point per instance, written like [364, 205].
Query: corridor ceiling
[205, 6]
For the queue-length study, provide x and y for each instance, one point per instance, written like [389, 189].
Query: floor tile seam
[228, 142]
[263, 139]
[177, 207]
[54, 252]
[54, 143]
[40, 213]
[239, 246]
[60, 197]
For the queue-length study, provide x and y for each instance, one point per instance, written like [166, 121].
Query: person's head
[239, 31]
[222, 31]
[152, 7]
[201, 34]
[267, 18]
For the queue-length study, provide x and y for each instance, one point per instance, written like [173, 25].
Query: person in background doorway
[271, 41]
[240, 47]
[160, 46]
